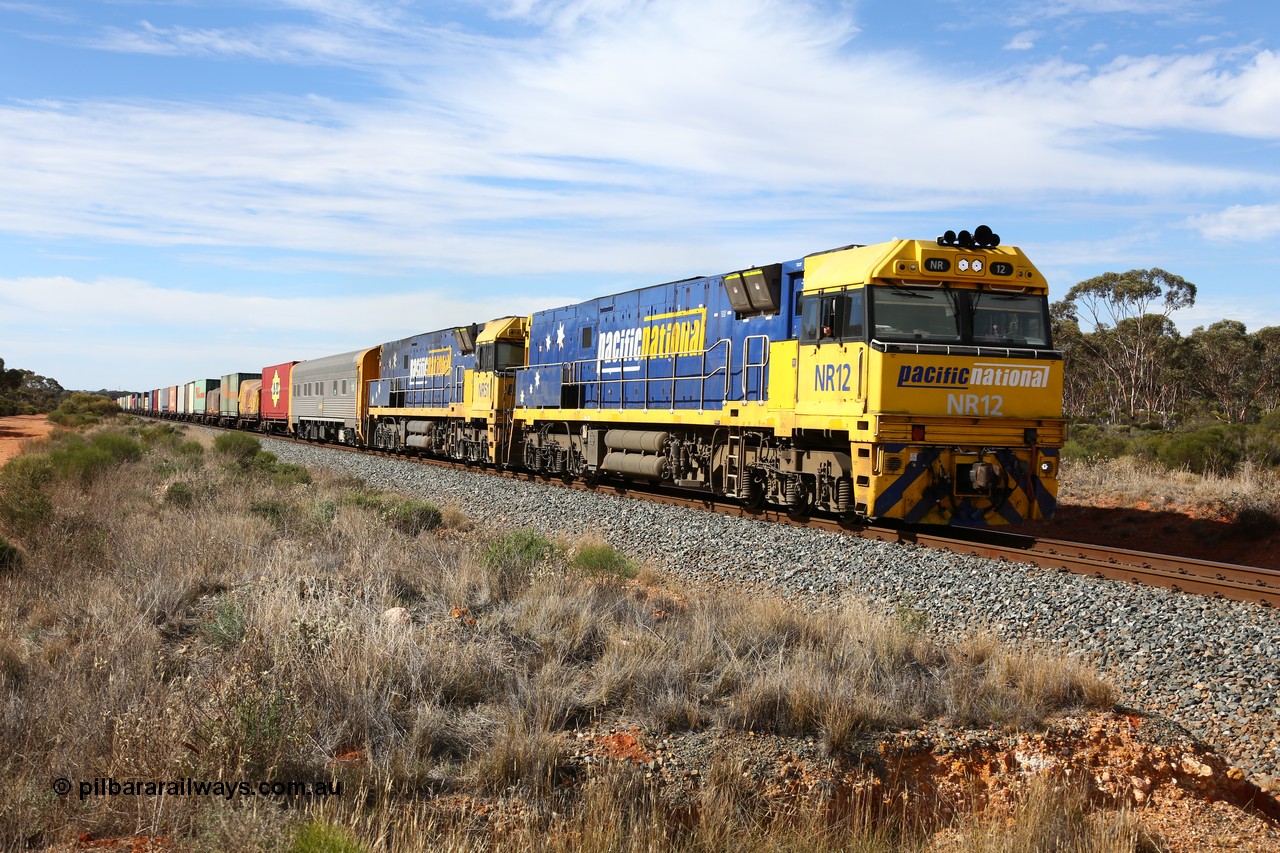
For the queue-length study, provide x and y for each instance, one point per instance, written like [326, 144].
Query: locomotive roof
[927, 263]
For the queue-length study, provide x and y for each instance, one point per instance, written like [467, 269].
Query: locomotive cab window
[1010, 320]
[502, 355]
[983, 318]
[827, 318]
[509, 355]
[915, 314]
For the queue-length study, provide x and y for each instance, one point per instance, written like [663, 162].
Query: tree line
[1134, 366]
[23, 392]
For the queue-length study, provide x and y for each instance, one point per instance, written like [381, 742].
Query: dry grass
[249, 632]
[1051, 814]
[1253, 491]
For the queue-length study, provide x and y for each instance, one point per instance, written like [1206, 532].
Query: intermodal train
[911, 379]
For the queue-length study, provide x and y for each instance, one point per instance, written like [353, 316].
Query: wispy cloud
[1025, 40]
[1239, 223]
[41, 11]
[556, 153]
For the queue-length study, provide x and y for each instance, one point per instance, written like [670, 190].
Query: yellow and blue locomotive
[913, 380]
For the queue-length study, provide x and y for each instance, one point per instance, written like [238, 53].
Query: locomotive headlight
[1046, 467]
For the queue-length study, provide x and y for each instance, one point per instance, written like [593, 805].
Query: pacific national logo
[436, 362]
[981, 374]
[677, 333]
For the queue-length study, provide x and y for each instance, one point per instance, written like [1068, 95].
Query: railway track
[1183, 574]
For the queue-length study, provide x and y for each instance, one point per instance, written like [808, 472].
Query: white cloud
[1239, 223]
[1025, 40]
[587, 146]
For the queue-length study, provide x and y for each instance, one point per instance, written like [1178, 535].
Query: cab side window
[831, 317]
[853, 326]
[810, 323]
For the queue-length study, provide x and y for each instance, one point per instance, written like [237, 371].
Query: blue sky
[193, 187]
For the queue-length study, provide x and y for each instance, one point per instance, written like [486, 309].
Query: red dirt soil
[16, 429]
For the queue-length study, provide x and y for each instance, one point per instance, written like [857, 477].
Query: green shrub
[226, 627]
[80, 462]
[289, 474]
[190, 449]
[323, 512]
[161, 435]
[411, 516]
[240, 447]
[83, 410]
[24, 504]
[370, 499]
[85, 461]
[315, 836]
[264, 461]
[519, 549]
[603, 559]
[121, 447]
[1262, 441]
[276, 512]
[180, 495]
[1212, 450]
[1091, 441]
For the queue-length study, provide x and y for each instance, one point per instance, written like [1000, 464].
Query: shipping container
[185, 393]
[229, 404]
[212, 405]
[250, 401]
[274, 405]
[200, 396]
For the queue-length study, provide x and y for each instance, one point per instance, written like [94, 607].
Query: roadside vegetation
[1189, 423]
[173, 608]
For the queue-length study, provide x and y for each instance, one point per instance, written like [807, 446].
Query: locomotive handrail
[427, 390]
[966, 349]
[748, 364]
[575, 373]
